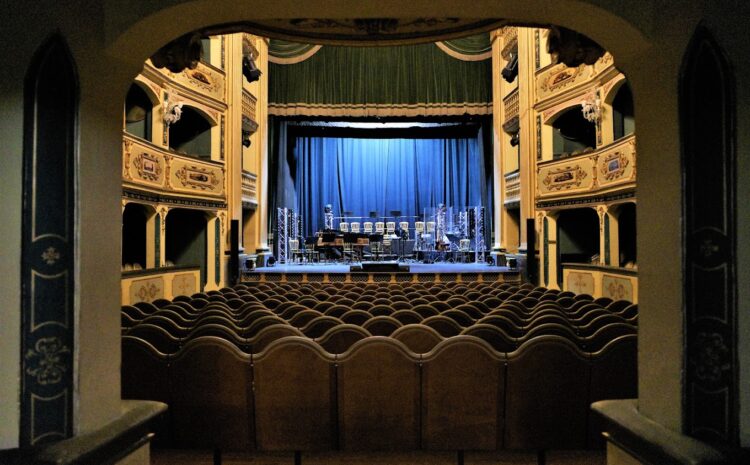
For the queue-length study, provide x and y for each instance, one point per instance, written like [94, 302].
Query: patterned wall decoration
[147, 290]
[538, 137]
[184, 284]
[709, 240]
[564, 178]
[580, 283]
[537, 52]
[617, 287]
[47, 322]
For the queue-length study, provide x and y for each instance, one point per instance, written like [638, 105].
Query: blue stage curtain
[373, 174]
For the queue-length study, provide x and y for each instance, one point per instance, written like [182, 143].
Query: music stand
[376, 239]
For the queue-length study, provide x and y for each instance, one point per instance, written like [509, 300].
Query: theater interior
[335, 232]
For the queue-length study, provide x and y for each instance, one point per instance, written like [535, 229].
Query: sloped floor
[185, 457]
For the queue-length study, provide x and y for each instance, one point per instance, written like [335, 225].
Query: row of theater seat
[420, 324]
[379, 395]
[444, 366]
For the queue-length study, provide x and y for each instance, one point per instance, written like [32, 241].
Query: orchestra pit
[353, 236]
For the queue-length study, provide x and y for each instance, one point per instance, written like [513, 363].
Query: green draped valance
[414, 80]
[473, 48]
[287, 53]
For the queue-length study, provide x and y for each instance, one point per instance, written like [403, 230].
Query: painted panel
[47, 330]
[143, 164]
[195, 177]
[605, 170]
[184, 284]
[569, 177]
[559, 77]
[147, 290]
[617, 288]
[580, 282]
[617, 165]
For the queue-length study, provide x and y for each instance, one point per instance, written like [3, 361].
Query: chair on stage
[295, 251]
[418, 231]
[344, 227]
[390, 228]
[367, 225]
[311, 254]
[354, 225]
[380, 227]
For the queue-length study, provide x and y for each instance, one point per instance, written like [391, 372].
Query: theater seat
[418, 338]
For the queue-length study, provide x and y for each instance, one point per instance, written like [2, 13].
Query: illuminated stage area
[407, 272]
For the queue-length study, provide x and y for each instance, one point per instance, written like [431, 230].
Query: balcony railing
[608, 169]
[512, 188]
[148, 166]
[510, 105]
[555, 79]
[249, 189]
[204, 79]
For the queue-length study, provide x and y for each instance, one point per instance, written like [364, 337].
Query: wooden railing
[147, 166]
[512, 187]
[610, 168]
[249, 188]
[510, 105]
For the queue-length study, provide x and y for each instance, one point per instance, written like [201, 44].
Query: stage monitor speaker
[531, 263]
[382, 267]
[234, 252]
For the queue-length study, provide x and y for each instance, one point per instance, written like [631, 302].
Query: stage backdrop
[383, 169]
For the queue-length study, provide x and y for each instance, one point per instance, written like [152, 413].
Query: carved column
[527, 124]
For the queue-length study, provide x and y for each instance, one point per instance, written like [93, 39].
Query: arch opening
[138, 113]
[186, 238]
[191, 134]
[572, 134]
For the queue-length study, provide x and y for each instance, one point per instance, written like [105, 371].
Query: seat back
[341, 338]
[294, 405]
[211, 384]
[418, 338]
[378, 396]
[463, 383]
[547, 395]
[355, 227]
[344, 227]
[367, 227]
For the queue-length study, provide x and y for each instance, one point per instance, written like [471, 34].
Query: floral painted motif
[45, 361]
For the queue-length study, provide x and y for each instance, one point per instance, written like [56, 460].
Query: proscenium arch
[136, 35]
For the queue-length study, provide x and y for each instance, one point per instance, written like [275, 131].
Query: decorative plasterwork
[608, 169]
[153, 168]
[510, 42]
[568, 177]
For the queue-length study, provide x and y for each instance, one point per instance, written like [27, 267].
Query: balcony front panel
[556, 79]
[149, 167]
[609, 169]
[204, 79]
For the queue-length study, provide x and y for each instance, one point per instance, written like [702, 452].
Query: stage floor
[413, 268]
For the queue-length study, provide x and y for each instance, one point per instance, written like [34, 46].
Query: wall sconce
[592, 108]
[172, 110]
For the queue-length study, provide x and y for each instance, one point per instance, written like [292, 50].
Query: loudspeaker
[383, 267]
[531, 264]
[234, 252]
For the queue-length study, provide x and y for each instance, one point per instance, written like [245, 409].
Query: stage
[417, 272]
